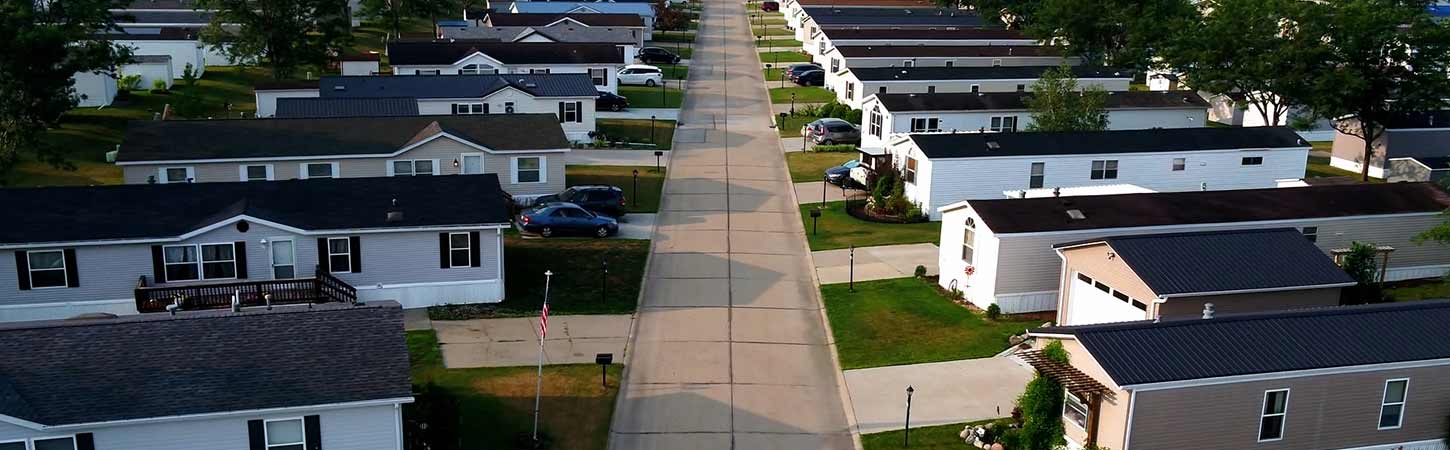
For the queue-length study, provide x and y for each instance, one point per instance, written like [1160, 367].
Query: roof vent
[1208, 310]
[339, 88]
[394, 213]
[993, 145]
[1075, 214]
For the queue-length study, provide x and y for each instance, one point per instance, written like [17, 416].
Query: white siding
[610, 69]
[149, 72]
[864, 89]
[93, 89]
[267, 100]
[967, 121]
[361, 428]
[359, 68]
[181, 53]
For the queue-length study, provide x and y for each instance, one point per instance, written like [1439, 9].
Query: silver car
[832, 131]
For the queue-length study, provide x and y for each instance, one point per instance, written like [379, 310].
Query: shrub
[884, 181]
[431, 421]
[1041, 405]
[897, 204]
[129, 82]
[920, 271]
[994, 311]
[158, 85]
[188, 75]
[1360, 264]
[835, 148]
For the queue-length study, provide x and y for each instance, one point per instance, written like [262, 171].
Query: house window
[949, 63]
[428, 72]
[538, 71]
[910, 174]
[599, 76]
[177, 175]
[997, 63]
[529, 169]
[472, 164]
[411, 167]
[1311, 233]
[1037, 176]
[969, 239]
[459, 250]
[874, 126]
[339, 255]
[180, 262]
[850, 91]
[571, 111]
[54, 443]
[823, 51]
[835, 65]
[286, 434]
[1105, 169]
[1276, 409]
[257, 172]
[319, 170]
[15, 445]
[470, 108]
[1179, 164]
[200, 262]
[1021, 88]
[881, 90]
[1392, 407]
[475, 69]
[1074, 410]
[908, 63]
[47, 269]
[1004, 124]
[1252, 161]
[976, 88]
[921, 124]
[218, 261]
[284, 259]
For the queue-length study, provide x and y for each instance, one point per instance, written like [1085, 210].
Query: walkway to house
[615, 158]
[810, 192]
[515, 341]
[730, 350]
[946, 392]
[642, 113]
[875, 263]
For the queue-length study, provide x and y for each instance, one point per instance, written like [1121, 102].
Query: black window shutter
[72, 272]
[22, 269]
[240, 253]
[322, 262]
[579, 112]
[158, 265]
[443, 248]
[313, 426]
[356, 248]
[256, 435]
[455, 108]
[475, 254]
[85, 441]
[485, 108]
[561, 112]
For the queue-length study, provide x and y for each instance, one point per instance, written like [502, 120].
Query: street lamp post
[906, 437]
[792, 103]
[825, 181]
[636, 187]
[604, 282]
[652, 129]
[658, 154]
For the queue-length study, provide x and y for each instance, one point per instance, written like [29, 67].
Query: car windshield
[851, 164]
[569, 195]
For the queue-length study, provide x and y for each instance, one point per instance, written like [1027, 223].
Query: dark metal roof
[557, 33]
[286, 85]
[542, 19]
[877, 3]
[1431, 119]
[152, 34]
[1434, 162]
[1221, 261]
[840, 34]
[1260, 343]
[458, 86]
[979, 145]
[312, 107]
[990, 101]
[174, 140]
[444, 52]
[1204, 207]
[1025, 73]
[827, 16]
[166, 17]
[945, 51]
[146, 211]
[66, 372]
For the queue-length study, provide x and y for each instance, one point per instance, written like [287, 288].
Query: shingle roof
[444, 52]
[458, 86]
[978, 73]
[166, 17]
[1221, 261]
[1135, 353]
[979, 145]
[827, 16]
[559, 33]
[542, 19]
[842, 34]
[945, 51]
[312, 107]
[152, 34]
[990, 101]
[880, 3]
[145, 211]
[134, 367]
[175, 140]
[1182, 208]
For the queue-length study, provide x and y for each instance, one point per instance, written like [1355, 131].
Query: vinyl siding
[1112, 412]
[968, 121]
[364, 428]
[944, 86]
[1326, 411]
[610, 69]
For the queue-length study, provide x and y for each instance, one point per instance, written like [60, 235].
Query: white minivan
[641, 75]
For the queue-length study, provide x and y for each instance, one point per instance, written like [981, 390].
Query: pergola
[1076, 382]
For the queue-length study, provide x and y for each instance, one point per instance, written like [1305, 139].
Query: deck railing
[320, 289]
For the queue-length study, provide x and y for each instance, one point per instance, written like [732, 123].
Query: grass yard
[907, 321]
[1319, 167]
[672, 36]
[939, 437]
[651, 182]
[651, 97]
[779, 44]
[684, 49]
[838, 229]
[575, 289]
[791, 127]
[638, 131]
[810, 166]
[676, 72]
[1419, 289]
[575, 409]
[803, 94]
[770, 31]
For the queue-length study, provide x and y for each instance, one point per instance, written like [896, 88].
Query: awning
[1074, 380]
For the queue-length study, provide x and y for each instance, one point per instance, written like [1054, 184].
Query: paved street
[875, 263]
[946, 392]
[730, 349]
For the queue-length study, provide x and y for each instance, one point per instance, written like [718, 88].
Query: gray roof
[174, 140]
[946, 51]
[1221, 261]
[165, 17]
[976, 145]
[842, 34]
[308, 107]
[978, 73]
[1135, 353]
[457, 86]
[991, 101]
[945, 17]
[1434, 162]
[67, 372]
[560, 33]
[449, 51]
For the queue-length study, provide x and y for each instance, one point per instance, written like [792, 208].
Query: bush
[882, 190]
[897, 203]
[431, 421]
[994, 311]
[835, 148]
[188, 75]
[920, 271]
[129, 82]
[158, 85]
[1041, 406]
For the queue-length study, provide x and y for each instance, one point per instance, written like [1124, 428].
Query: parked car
[600, 199]
[798, 69]
[641, 74]
[842, 173]
[810, 78]
[612, 102]
[830, 131]
[770, 6]
[558, 219]
[650, 55]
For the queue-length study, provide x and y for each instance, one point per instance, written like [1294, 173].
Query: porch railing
[322, 288]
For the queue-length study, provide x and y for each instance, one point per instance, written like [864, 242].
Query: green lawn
[1319, 167]
[907, 321]
[838, 229]
[653, 97]
[676, 72]
[791, 126]
[685, 50]
[576, 263]
[939, 437]
[575, 409]
[1419, 289]
[810, 166]
[651, 182]
[638, 131]
[774, 74]
[779, 44]
[770, 31]
[803, 94]
[672, 36]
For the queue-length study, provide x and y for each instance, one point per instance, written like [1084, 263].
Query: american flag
[544, 322]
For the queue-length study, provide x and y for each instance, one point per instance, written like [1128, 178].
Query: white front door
[284, 259]
[472, 164]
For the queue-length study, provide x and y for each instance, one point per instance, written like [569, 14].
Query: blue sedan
[556, 219]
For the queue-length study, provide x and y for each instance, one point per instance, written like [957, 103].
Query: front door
[284, 259]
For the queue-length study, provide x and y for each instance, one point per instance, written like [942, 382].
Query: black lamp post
[825, 181]
[792, 103]
[906, 438]
[604, 282]
[636, 187]
[652, 129]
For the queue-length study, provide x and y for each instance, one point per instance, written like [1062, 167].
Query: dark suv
[652, 55]
[600, 199]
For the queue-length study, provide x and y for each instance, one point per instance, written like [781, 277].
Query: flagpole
[543, 330]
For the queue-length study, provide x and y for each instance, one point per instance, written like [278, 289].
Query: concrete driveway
[810, 192]
[615, 158]
[945, 392]
[875, 263]
[641, 113]
[515, 341]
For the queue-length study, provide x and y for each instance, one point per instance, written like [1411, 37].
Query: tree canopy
[1058, 104]
[286, 34]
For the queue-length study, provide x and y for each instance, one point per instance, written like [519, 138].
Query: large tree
[1058, 104]
[42, 44]
[1120, 33]
[1377, 61]
[285, 34]
[388, 12]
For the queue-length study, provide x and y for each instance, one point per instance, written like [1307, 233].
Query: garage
[1093, 301]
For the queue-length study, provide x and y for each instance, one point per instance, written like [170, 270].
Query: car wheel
[616, 107]
[601, 232]
[650, 83]
[546, 232]
[828, 142]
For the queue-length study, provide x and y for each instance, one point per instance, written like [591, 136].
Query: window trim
[998, 124]
[928, 124]
[1102, 173]
[332, 268]
[1310, 233]
[603, 79]
[30, 269]
[1067, 400]
[267, 442]
[573, 112]
[1251, 161]
[873, 124]
[242, 172]
[24, 444]
[1283, 425]
[468, 250]
[543, 170]
[302, 169]
[1384, 401]
[969, 241]
[30, 443]
[161, 177]
[1179, 164]
[1036, 174]
[463, 162]
[272, 256]
[908, 170]
[976, 88]
[200, 262]
[459, 109]
[414, 164]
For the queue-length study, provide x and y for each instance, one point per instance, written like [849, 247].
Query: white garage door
[1089, 304]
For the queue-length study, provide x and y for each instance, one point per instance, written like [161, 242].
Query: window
[1074, 410]
[920, 124]
[459, 250]
[873, 127]
[286, 434]
[976, 88]
[570, 112]
[823, 51]
[908, 63]
[529, 169]
[997, 63]
[835, 64]
[470, 108]
[472, 164]
[1179, 164]
[47, 269]
[910, 174]
[1004, 124]
[16, 445]
[1252, 161]
[177, 175]
[1276, 408]
[257, 172]
[428, 72]
[881, 90]
[218, 261]
[1311, 233]
[538, 71]
[284, 259]
[1037, 176]
[339, 255]
[319, 170]
[969, 239]
[1105, 169]
[1021, 88]
[199, 262]
[949, 63]
[475, 69]
[599, 76]
[508, 107]
[180, 262]
[1392, 407]
[850, 91]
[411, 167]
[54, 443]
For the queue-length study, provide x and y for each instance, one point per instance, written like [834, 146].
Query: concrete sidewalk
[615, 158]
[810, 192]
[515, 341]
[875, 263]
[641, 114]
[945, 392]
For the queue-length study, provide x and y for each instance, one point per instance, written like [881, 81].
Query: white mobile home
[853, 85]
[465, 57]
[840, 58]
[93, 89]
[822, 41]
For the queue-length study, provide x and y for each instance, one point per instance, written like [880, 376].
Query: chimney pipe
[1208, 310]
